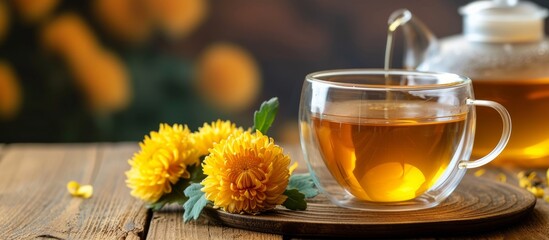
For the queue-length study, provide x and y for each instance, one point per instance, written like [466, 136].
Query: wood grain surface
[168, 224]
[1, 147]
[34, 202]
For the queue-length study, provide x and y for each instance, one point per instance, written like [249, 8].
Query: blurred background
[112, 70]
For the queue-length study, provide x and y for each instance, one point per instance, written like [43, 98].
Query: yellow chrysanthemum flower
[11, 94]
[69, 35]
[178, 18]
[104, 80]
[126, 20]
[247, 173]
[228, 77]
[100, 74]
[4, 19]
[34, 11]
[209, 134]
[162, 160]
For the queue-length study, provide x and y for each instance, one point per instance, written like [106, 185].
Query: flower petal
[77, 190]
[85, 191]
[72, 187]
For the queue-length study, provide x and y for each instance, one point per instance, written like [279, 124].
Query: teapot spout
[420, 42]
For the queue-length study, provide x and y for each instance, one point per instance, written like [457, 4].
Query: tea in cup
[390, 140]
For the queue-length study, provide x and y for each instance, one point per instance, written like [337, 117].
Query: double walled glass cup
[390, 140]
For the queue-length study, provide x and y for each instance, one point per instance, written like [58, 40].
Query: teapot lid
[503, 21]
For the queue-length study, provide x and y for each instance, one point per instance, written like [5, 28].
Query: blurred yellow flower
[537, 191]
[209, 134]
[502, 177]
[228, 77]
[104, 81]
[247, 173]
[10, 92]
[547, 176]
[34, 11]
[4, 19]
[480, 172]
[126, 20]
[77, 190]
[161, 162]
[69, 36]
[177, 18]
[101, 75]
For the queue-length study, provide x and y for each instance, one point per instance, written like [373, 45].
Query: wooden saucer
[476, 205]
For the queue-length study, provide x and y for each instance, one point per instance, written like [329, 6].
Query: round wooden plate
[476, 205]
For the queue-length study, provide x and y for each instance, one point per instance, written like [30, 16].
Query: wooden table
[34, 202]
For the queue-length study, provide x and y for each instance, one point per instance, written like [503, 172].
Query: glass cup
[390, 140]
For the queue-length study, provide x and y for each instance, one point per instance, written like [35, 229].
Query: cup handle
[505, 134]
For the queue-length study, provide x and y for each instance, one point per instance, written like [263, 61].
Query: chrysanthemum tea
[387, 160]
[390, 140]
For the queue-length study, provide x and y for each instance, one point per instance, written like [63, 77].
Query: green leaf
[304, 184]
[264, 118]
[196, 203]
[197, 174]
[177, 194]
[295, 200]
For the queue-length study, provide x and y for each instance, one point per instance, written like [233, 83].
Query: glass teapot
[504, 51]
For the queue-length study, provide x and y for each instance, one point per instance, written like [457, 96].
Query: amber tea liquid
[528, 104]
[388, 160]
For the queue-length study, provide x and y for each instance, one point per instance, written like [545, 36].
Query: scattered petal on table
[502, 177]
[480, 172]
[76, 190]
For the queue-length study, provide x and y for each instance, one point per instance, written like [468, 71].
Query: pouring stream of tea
[395, 20]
